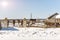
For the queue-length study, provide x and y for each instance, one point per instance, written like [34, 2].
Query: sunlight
[4, 4]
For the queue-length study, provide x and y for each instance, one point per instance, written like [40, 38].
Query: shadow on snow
[10, 28]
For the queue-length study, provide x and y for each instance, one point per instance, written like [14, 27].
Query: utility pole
[31, 15]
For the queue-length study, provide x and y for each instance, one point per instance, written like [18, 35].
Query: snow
[9, 28]
[58, 16]
[30, 33]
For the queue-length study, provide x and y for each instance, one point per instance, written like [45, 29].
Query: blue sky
[23, 8]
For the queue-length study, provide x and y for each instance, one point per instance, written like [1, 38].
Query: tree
[0, 26]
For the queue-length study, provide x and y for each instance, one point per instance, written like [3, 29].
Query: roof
[52, 15]
[58, 16]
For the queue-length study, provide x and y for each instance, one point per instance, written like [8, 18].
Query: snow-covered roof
[57, 16]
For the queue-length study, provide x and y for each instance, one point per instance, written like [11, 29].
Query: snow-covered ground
[16, 33]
